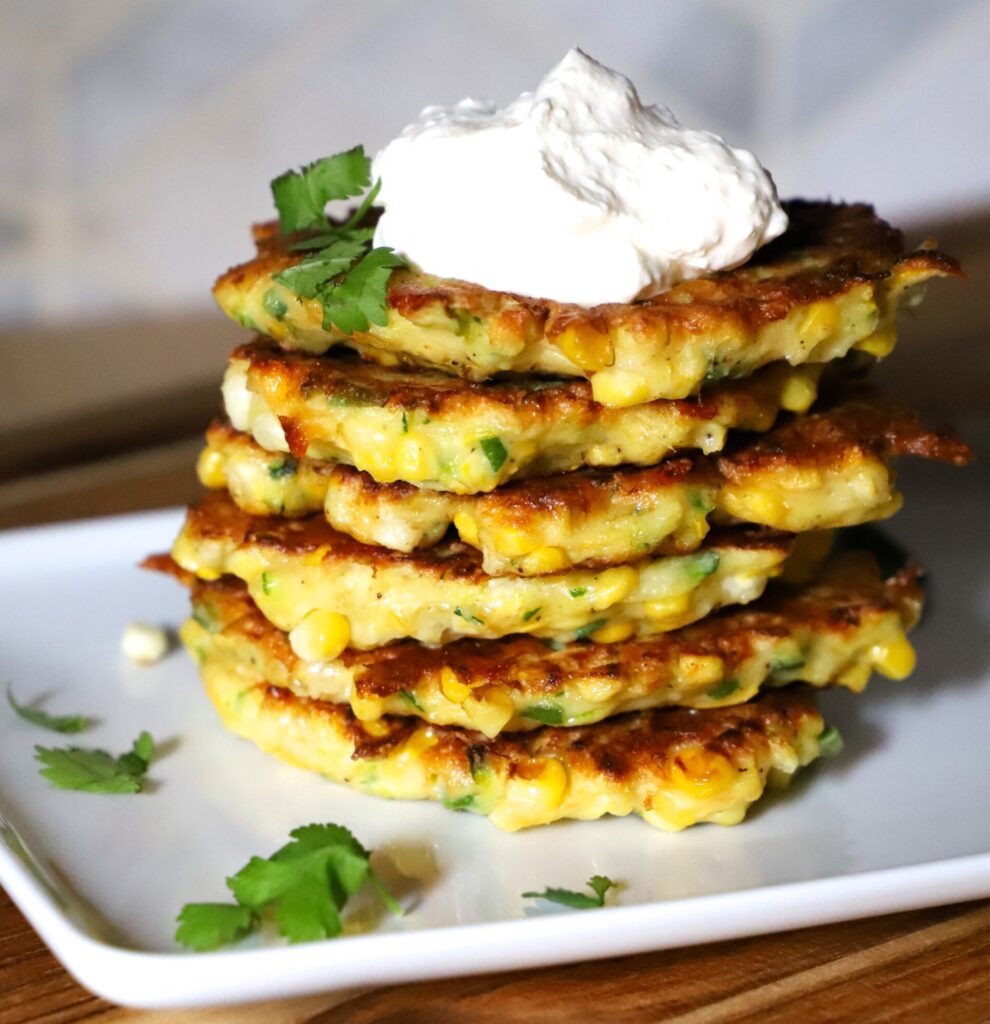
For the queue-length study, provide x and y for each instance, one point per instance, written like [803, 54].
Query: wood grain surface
[926, 966]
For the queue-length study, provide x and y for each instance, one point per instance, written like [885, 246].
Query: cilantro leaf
[204, 926]
[58, 723]
[95, 771]
[304, 884]
[598, 884]
[495, 452]
[301, 196]
[360, 297]
[308, 277]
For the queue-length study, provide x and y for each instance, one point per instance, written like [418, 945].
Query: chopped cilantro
[723, 689]
[410, 698]
[273, 305]
[461, 803]
[95, 771]
[531, 613]
[547, 712]
[57, 723]
[495, 452]
[469, 618]
[283, 468]
[701, 565]
[405, 422]
[598, 884]
[829, 741]
[305, 885]
[578, 591]
[583, 632]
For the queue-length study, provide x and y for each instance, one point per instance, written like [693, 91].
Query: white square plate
[900, 820]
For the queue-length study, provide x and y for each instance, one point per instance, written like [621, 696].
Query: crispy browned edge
[850, 591]
[857, 422]
[827, 249]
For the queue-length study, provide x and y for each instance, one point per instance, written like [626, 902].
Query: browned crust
[827, 250]
[217, 518]
[346, 377]
[850, 592]
[645, 742]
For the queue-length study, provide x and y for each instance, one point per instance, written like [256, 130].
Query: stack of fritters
[511, 554]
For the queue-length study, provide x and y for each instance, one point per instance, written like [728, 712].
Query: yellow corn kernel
[895, 660]
[763, 505]
[821, 321]
[620, 388]
[586, 347]
[321, 635]
[208, 574]
[701, 773]
[367, 708]
[701, 669]
[376, 728]
[880, 343]
[421, 739]
[414, 459]
[467, 527]
[316, 556]
[476, 474]
[613, 585]
[613, 633]
[547, 782]
[209, 468]
[544, 560]
[453, 689]
[666, 607]
[855, 676]
[798, 393]
[511, 541]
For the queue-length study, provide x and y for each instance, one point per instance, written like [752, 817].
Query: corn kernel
[798, 393]
[821, 321]
[613, 585]
[414, 459]
[491, 713]
[620, 388]
[467, 527]
[880, 343]
[547, 782]
[511, 541]
[208, 574]
[801, 478]
[376, 728]
[316, 556]
[367, 708]
[763, 506]
[421, 739]
[321, 635]
[544, 560]
[701, 669]
[209, 468]
[666, 607]
[586, 347]
[895, 660]
[855, 676]
[701, 773]
[453, 689]
[613, 633]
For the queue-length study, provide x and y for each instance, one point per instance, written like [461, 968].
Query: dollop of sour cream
[576, 192]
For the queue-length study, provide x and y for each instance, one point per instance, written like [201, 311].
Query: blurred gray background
[137, 137]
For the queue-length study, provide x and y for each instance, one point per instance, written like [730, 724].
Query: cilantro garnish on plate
[57, 723]
[304, 886]
[341, 270]
[89, 770]
[598, 884]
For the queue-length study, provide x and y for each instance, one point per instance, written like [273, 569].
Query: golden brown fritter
[443, 433]
[834, 280]
[320, 584]
[830, 468]
[835, 631]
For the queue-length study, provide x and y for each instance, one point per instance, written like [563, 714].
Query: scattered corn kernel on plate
[900, 819]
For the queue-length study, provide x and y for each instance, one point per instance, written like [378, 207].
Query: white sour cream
[575, 192]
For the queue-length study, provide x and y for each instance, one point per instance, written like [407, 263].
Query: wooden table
[930, 965]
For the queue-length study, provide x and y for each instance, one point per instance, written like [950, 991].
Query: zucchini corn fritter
[673, 766]
[331, 591]
[442, 433]
[833, 632]
[832, 282]
[827, 469]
